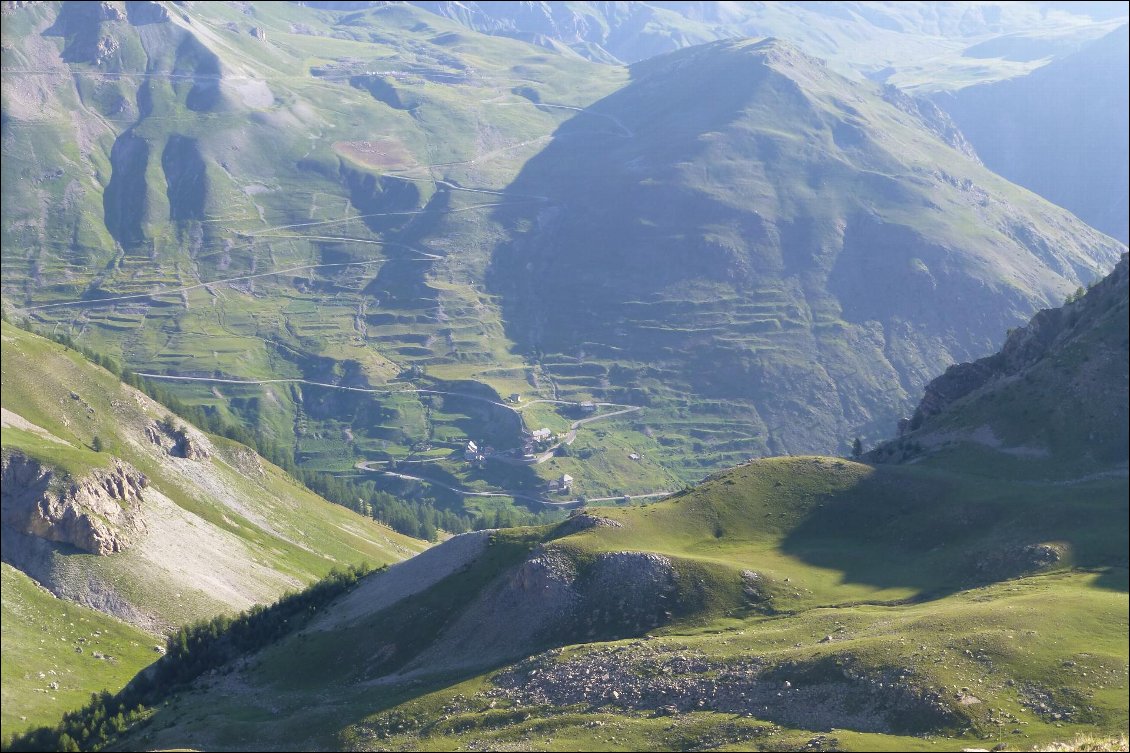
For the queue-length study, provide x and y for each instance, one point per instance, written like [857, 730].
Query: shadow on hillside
[940, 532]
[614, 218]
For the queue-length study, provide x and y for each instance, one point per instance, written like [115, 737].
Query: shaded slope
[1055, 394]
[790, 257]
[1060, 130]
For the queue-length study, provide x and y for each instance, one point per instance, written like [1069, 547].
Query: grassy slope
[48, 641]
[883, 559]
[229, 531]
[235, 496]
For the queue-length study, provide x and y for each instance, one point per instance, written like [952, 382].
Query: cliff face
[98, 513]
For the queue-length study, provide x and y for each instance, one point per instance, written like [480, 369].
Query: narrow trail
[562, 504]
[375, 391]
[626, 132]
[196, 286]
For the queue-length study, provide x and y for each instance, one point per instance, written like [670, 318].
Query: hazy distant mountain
[796, 251]
[936, 45]
[1060, 130]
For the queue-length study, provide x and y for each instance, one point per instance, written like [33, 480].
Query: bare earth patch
[383, 153]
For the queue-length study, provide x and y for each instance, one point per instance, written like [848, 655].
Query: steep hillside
[56, 653]
[110, 502]
[1060, 130]
[113, 505]
[778, 267]
[787, 601]
[1054, 395]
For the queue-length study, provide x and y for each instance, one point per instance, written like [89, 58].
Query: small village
[538, 446]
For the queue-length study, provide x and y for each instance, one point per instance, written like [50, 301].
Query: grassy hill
[213, 528]
[56, 653]
[782, 601]
[960, 600]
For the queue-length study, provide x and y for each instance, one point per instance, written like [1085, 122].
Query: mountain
[114, 505]
[1060, 130]
[330, 225]
[779, 267]
[788, 603]
[929, 45]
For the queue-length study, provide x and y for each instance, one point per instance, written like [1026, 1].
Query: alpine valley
[447, 376]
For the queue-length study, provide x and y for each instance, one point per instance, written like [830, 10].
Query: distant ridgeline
[420, 519]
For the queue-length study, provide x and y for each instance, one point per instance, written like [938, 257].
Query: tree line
[190, 652]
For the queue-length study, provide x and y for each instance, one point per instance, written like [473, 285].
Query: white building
[542, 435]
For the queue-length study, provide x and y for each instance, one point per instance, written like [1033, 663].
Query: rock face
[583, 522]
[933, 117]
[180, 442]
[98, 513]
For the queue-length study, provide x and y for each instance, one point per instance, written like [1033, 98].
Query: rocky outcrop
[823, 694]
[99, 513]
[583, 522]
[933, 117]
[1024, 347]
[81, 24]
[179, 441]
[551, 599]
[142, 13]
